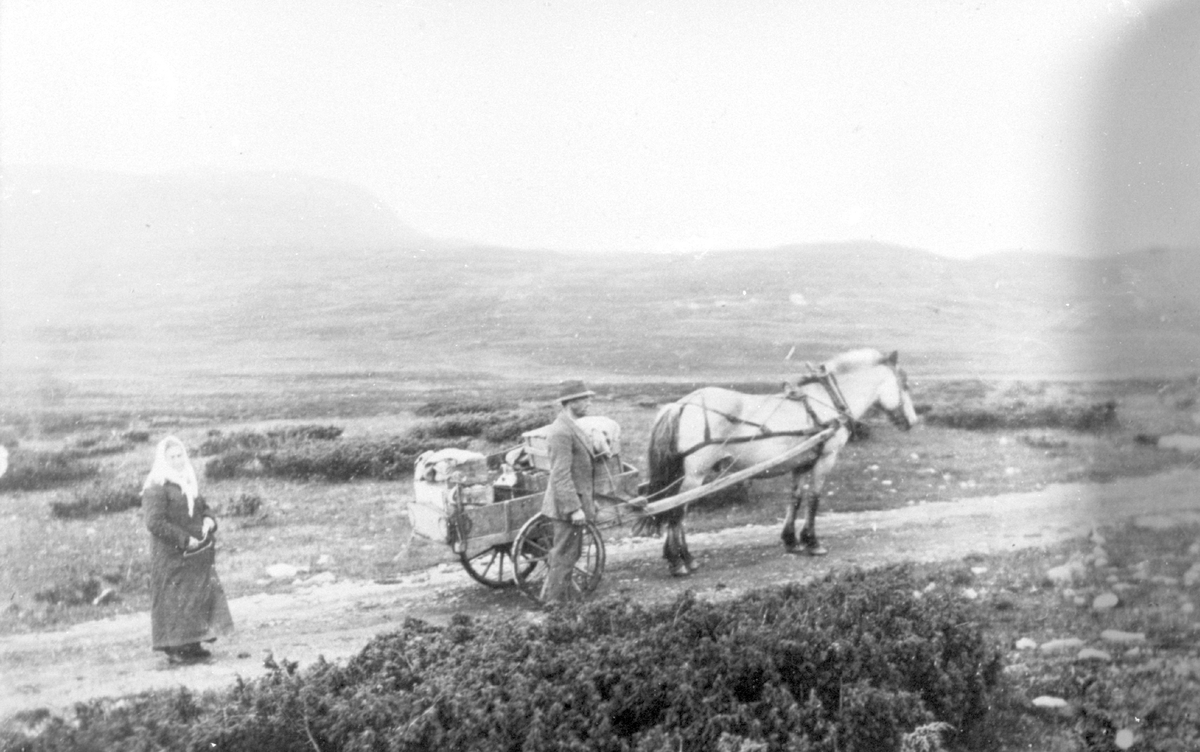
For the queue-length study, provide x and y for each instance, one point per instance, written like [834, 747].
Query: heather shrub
[1091, 418]
[245, 504]
[99, 497]
[854, 663]
[508, 429]
[381, 459]
[231, 464]
[96, 445]
[34, 470]
[462, 406]
[218, 442]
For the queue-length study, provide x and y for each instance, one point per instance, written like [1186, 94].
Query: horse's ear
[892, 357]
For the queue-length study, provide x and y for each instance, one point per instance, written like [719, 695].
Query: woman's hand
[209, 525]
[192, 544]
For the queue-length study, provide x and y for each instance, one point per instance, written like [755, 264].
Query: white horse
[717, 431]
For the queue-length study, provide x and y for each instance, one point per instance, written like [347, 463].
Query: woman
[188, 606]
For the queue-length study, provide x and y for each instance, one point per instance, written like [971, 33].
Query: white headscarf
[163, 472]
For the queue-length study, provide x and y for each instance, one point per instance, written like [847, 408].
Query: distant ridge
[285, 277]
[59, 213]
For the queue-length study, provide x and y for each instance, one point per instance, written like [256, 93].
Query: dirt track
[111, 657]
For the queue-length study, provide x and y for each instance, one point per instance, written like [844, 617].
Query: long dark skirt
[188, 604]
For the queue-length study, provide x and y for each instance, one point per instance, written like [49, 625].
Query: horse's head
[893, 394]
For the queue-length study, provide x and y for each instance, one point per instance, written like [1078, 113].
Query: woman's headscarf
[163, 472]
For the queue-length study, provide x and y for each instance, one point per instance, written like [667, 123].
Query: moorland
[305, 375]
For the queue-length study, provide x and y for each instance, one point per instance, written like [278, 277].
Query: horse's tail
[665, 468]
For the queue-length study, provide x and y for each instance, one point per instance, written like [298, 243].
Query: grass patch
[1091, 418]
[100, 497]
[35, 470]
[463, 406]
[218, 442]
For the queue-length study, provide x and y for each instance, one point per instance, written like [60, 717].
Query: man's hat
[573, 390]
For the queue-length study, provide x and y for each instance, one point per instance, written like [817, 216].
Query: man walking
[569, 499]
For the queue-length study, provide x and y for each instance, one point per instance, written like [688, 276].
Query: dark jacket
[571, 485]
[167, 519]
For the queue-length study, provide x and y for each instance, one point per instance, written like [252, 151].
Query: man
[569, 499]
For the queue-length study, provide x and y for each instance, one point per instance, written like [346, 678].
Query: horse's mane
[852, 360]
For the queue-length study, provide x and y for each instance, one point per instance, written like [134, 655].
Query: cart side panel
[498, 523]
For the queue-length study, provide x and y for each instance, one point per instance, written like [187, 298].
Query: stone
[1047, 701]
[1123, 739]
[1154, 522]
[282, 571]
[1065, 574]
[107, 595]
[1180, 441]
[1092, 654]
[1065, 643]
[1105, 602]
[1026, 644]
[1116, 635]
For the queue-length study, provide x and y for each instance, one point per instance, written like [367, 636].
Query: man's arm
[566, 497]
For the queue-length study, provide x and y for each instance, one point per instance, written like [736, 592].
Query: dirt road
[110, 657]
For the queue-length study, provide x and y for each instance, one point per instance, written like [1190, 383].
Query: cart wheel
[531, 551]
[493, 566]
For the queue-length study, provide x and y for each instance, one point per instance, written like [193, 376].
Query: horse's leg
[688, 561]
[789, 523]
[674, 548]
[812, 499]
[675, 551]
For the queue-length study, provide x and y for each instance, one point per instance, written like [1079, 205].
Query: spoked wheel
[531, 552]
[493, 566]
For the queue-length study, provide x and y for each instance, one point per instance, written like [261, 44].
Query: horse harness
[791, 391]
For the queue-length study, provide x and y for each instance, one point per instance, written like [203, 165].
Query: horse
[714, 431]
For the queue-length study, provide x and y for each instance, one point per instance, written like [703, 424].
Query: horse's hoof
[680, 570]
[815, 549]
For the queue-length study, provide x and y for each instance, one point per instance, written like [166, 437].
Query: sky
[656, 125]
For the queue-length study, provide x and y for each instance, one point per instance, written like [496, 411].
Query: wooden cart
[490, 512]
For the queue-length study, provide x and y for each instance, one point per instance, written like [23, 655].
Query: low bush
[218, 442]
[33, 471]
[451, 426]
[508, 430]
[854, 663]
[82, 591]
[497, 427]
[96, 445]
[234, 463]
[100, 497]
[243, 505]
[1091, 418]
[380, 459]
[462, 406]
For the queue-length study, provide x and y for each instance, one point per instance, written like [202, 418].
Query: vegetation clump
[36, 470]
[855, 662]
[307, 453]
[1091, 418]
[462, 406]
[100, 497]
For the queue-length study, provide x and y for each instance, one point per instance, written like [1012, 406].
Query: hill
[251, 282]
